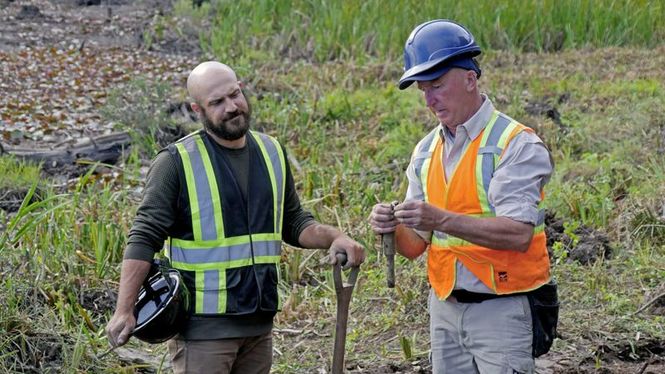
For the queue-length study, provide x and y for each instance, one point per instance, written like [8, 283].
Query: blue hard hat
[435, 47]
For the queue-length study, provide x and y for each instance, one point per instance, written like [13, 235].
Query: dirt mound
[583, 244]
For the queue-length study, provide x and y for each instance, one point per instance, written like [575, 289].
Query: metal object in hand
[388, 246]
[343, 290]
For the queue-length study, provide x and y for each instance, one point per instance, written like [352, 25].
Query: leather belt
[464, 296]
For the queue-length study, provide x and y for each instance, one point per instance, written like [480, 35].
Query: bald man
[229, 190]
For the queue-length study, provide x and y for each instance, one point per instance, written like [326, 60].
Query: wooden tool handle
[388, 245]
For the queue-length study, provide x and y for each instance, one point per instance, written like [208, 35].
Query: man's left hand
[355, 253]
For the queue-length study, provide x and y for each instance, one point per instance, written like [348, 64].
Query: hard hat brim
[429, 73]
[424, 76]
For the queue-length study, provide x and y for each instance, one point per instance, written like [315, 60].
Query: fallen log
[104, 148]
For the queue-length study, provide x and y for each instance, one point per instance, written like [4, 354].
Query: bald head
[206, 76]
[218, 99]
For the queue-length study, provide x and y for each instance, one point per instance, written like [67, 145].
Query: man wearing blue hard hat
[474, 204]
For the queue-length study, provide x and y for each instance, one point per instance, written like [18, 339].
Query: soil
[589, 245]
[42, 41]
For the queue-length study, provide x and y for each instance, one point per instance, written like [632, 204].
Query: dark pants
[251, 355]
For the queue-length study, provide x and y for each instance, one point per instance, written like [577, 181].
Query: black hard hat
[162, 307]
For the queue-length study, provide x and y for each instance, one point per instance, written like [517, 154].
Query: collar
[249, 141]
[474, 125]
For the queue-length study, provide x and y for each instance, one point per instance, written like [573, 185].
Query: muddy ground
[59, 61]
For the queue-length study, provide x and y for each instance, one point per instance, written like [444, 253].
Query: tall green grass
[16, 174]
[322, 30]
[56, 252]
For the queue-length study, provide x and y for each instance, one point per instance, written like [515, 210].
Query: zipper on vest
[249, 227]
[245, 201]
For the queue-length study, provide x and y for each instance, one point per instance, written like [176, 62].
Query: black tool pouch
[544, 304]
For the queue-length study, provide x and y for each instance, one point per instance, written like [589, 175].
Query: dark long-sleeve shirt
[157, 216]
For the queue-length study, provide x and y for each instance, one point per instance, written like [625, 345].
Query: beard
[233, 127]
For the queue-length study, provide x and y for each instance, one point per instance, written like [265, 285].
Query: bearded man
[222, 199]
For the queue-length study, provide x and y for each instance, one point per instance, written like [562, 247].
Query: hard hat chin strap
[151, 293]
[161, 267]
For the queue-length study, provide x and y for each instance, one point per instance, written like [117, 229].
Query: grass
[349, 132]
[321, 31]
[17, 175]
[139, 107]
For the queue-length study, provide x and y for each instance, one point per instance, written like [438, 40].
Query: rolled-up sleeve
[524, 169]
[415, 191]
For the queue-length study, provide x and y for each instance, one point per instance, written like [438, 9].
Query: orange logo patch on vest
[503, 276]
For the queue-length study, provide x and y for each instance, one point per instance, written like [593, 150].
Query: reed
[324, 30]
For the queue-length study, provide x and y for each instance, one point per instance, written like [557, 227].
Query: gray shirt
[514, 191]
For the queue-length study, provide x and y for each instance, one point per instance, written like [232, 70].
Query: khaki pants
[251, 355]
[492, 337]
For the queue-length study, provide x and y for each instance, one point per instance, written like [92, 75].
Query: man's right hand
[120, 327]
[382, 218]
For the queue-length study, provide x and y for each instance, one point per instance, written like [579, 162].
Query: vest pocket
[242, 295]
[233, 290]
[267, 274]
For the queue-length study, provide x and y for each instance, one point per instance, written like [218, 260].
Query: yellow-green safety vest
[230, 274]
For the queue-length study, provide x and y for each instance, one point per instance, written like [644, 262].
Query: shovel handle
[343, 290]
[337, 273]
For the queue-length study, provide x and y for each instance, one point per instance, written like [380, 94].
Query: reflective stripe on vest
[204, 199]
[478, 163]
[273, 152]
[422, 157]
[210, 253]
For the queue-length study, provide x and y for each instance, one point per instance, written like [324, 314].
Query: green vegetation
[349, 133]
[56, 257]
[259, 30]
[16, 174]
[140, 108]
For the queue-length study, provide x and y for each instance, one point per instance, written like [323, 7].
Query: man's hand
[122, 323]
[120, 327]
[355, 253]
[420, 215]
[382, 220]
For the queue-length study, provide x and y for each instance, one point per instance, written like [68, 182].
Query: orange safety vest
[503, 271]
